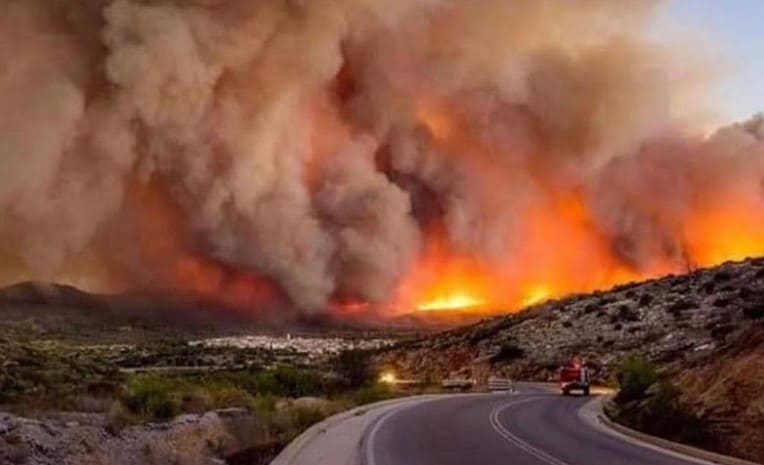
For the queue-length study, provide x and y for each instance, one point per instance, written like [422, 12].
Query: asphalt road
[530, 428]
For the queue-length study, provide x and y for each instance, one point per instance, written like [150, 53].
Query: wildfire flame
[536, 294]
[712, 237]
[457, 300]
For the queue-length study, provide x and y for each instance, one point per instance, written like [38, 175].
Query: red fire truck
[574, 377]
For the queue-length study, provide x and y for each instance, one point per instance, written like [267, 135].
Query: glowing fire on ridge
[456, 301]
[536, 294]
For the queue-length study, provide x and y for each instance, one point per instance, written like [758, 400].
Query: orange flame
[563, 254]
[732, 230]
[562, 251]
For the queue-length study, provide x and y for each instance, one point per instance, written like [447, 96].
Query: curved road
[531, 428]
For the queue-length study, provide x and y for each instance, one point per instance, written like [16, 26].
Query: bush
[663, 414]
[722, 276]
[90, 404]
[371, 394]
[590, 308]
[708, 288]
[626, 313]
[291, 382]
[353, 368]
[117, 418]
[508, 352]
[151, 397]
[720, 331]
[305, 417]
[264, 405]
[479, 335]
[745, 293]
[680, 306]
[635, 375]
[196, 401]
[232, 397]
[754, 312]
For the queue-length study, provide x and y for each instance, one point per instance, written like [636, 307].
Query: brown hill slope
[728, 394]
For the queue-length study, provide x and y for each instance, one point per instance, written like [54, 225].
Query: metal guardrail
[500, 385]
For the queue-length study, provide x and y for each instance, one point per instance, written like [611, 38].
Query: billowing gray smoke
[322, 143]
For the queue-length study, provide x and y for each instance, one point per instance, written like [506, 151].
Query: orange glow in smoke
[536, 294]
[733, 230]
[438, 122]
[171, 263]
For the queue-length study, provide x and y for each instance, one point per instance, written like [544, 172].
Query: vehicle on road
[574, 377]
[496, 384]
[458, 384]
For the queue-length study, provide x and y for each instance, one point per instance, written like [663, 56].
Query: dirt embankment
[727, 394]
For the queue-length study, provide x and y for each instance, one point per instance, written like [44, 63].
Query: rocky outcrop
[86, 440]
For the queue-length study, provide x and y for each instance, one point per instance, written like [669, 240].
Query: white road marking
[501, 430]
[516, 441]
[371, 437]
[370, 460]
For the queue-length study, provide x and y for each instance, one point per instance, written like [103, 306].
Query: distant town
[309, 349]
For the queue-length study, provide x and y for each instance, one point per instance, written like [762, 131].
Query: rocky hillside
[677, 321]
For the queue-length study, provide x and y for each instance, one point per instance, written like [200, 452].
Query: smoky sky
[320, 144]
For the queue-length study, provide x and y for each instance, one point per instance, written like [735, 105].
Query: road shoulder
[337, 440]
[593, 414]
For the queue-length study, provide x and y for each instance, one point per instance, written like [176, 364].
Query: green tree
[353, 367]
[635, 375]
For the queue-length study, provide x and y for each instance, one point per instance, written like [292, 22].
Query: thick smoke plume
[323, 153]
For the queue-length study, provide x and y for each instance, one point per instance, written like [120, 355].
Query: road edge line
[293, 449]
[366, 446]
[503, 431]
[690, 451]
